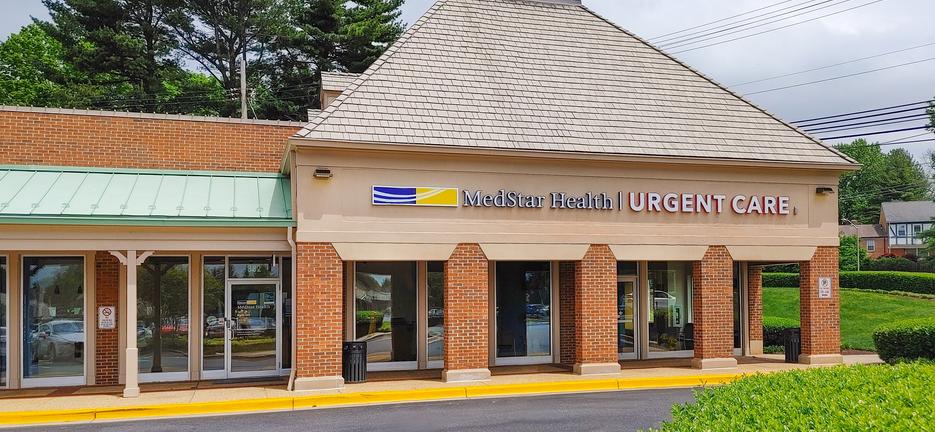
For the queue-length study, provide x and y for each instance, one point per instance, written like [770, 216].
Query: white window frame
[901, 230]
[637, 316]
[871, 245]
[351, 323]
[554, 349]
[650, 354]
[147, 377]
[8, 310]
[69, 381]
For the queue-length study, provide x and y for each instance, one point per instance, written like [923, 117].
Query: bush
[774, 327]
[898, 264]
[920, 283]
[906, 340]
[781, 280]
[781, 268]
[865, 397]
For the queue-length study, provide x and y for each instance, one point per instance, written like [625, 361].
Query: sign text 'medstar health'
[648, 202]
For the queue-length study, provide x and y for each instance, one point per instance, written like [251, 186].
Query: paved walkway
[392, 388]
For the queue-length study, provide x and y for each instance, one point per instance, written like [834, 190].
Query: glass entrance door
[626, 317]
[251, 331]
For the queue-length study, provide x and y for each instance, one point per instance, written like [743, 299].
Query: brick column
[712, 306]
[820, 317]
[596, 312]
[319, 312]
[467, 308]
[106, 291]
[755, 308]
[566, 300]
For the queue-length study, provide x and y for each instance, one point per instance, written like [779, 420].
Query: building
[871, 237]
[904, 222]
[512, 183]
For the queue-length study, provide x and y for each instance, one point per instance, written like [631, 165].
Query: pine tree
[367, 29]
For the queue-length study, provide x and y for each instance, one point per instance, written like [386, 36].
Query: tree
[33, 71]
[893, 176]
[849, 251]
[931, 113]
[367, 29]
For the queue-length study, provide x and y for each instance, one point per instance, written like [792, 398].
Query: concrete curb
[22, 418]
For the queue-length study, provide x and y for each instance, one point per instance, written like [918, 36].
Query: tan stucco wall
[340, 210]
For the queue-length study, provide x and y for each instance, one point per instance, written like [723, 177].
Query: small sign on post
[106, 317]
[824, 287]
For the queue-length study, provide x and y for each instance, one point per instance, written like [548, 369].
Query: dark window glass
[3, 323]
[670, 318]
[385, 300]
[253, 268]
[737, 297]
[435, 273]
[524, 309]
[162, 314]
[53, 317]
[286, 312]
[213, 314]
[626, 318]
[626, 268]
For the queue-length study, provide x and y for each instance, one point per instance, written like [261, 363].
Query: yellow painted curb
[353, 399]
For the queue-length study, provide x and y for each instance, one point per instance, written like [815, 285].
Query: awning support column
[131, 374]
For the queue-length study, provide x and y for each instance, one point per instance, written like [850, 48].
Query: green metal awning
[90, 196]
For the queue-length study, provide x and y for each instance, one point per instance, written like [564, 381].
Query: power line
[720, 20]
[907, 142]
[708, 35]
[876, 133]
[840, 77]
[864, 111]
[669, 40]
[833, 65]
[810, 124]
[777, 28]
[901, 119]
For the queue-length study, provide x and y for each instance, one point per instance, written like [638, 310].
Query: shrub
[774, 327]
[906, 340]
[781, 268]
[865, 397]
[920, 283]
[781, 280]
[898, 264]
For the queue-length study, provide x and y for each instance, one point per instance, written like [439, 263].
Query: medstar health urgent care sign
[640, 202]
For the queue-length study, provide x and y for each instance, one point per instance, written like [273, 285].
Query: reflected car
[59, 339]
[662, 299]
[253, 326]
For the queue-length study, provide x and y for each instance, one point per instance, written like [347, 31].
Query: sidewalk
[162, 400]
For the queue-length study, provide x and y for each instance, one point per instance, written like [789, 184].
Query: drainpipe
[291, 240]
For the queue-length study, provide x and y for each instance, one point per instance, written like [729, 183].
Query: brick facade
[467, 299]
[755, 303]
[820, 318]
[106, 291]
[596, 306]
[566, 324]
[118, 140]
[319, 306]
[712, 304]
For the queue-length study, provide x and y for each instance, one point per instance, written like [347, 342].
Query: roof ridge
[720, 86]
[375, 66]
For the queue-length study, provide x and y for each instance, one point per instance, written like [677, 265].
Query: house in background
[872, 238]
[904, 223]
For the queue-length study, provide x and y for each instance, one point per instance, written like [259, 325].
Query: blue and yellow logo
[415, 196]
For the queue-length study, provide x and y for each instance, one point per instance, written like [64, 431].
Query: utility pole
[856, 232]
[243, 85]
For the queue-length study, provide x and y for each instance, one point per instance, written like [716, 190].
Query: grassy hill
[861, 311]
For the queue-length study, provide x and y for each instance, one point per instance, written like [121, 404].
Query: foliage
[849, 252]
[906, 340]
[785, 280]
[781, 268]
[911, 282]
[861, 311]
[368, 316]
[775, 327]
[898, 264]
[893, 176]
[863, 397]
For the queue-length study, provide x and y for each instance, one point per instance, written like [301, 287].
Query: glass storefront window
[669, 301]
[435, 284]
[737, 299]
[3, 323]
[213, 314]
[385, 305]
[253, 268]
[286, 288]
[162, 314]
[626, 312]
[53, 317]
[524, 316]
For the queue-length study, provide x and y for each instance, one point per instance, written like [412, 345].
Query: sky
[879, 27]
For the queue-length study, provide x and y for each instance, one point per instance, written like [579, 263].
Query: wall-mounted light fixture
[824, 190]
[323, 173]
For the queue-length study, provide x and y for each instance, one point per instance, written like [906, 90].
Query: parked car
[59, 339]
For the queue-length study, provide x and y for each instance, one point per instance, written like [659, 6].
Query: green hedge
[906, 340]
[921, 283]
[774, 327]
[842, 398]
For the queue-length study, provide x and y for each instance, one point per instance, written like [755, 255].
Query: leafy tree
[367, 29]
[893, 176]
[849, 251]
[33, 71]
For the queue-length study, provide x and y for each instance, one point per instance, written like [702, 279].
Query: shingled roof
[550, 75]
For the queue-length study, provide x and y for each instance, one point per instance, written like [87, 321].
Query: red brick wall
[319, 310]
[820, 318]
[106, 286]
[755, 302]
[467, 300]
[596, 306]
[36, 138]
[566, 299]
[712, 298]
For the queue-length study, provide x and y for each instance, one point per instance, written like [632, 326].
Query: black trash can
[793, 345]
[354, 367]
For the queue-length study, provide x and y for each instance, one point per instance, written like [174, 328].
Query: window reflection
[626, 311]
[524, 309]
[253, 268]
[436, 309]
[213, 314]
[670, 317]
[53, 317]
[385, 303]
[162, 313]
[3, 322]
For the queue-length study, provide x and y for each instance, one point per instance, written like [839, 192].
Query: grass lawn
[861, 311]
